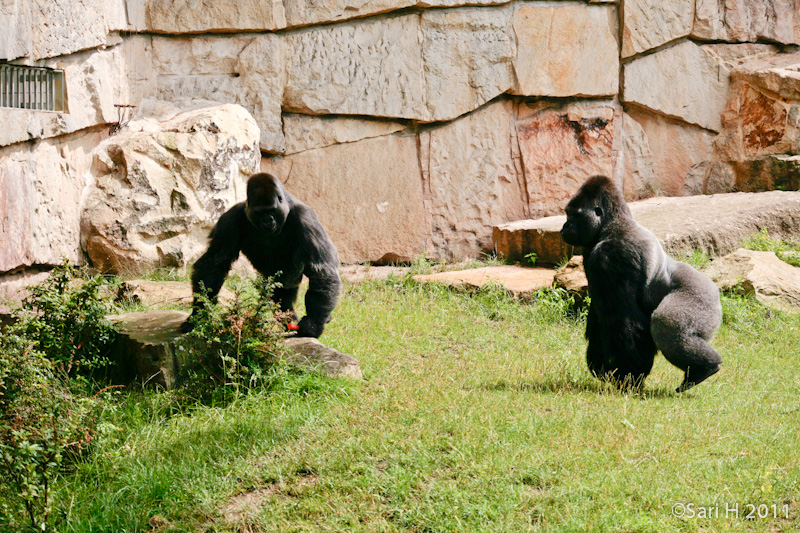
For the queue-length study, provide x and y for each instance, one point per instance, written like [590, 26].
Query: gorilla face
[584, 220]
[267, 204]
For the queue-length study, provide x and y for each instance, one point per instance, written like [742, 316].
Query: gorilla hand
[309, 328]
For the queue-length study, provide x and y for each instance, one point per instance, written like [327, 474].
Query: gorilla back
[278, 234]
[642, 300]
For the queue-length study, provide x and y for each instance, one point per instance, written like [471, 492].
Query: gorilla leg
[682, 331]
[285, 299]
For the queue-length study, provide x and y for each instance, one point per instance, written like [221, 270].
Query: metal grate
[31, 88]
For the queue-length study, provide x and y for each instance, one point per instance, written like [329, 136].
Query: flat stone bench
[716, 224]
[148, 352]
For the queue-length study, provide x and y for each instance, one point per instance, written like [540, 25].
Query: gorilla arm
[322, 271]
[620, 326]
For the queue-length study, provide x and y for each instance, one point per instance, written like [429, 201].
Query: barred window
[31, 88]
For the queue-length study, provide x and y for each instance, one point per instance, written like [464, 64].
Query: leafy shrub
[66, 321]
[233, 347]
[41, 424]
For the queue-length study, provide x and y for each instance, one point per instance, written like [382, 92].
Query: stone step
[716, 224]
[148, 352]
[520, 281]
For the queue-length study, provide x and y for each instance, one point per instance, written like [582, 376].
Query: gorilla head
[596, 204]
[267, 204]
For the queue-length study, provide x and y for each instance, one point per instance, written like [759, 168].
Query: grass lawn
[476, 413]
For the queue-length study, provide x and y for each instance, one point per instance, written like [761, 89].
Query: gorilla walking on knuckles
[642, 301]
[277, 233]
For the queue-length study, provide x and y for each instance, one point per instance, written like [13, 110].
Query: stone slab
[716, 224]
[520, 281]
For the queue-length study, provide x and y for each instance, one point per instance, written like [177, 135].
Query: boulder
[648, 24]
[716, 224]
[367, 194]
[521, 282]
[555, 55]
[561, 145]
[687, 81]
[747, 21]
[774, 283]
[148, 350]
[185, 16]
[471, 180]
[160, 186]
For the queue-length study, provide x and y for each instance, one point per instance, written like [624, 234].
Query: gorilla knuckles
[277, 233]
[642, 300]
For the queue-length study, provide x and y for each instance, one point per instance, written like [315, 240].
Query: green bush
[233, 347]
[66, 321]
[41, 425]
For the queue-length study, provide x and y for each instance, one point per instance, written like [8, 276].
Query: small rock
[310, 353]
[775, 283]
[520, 281]
[572, 277]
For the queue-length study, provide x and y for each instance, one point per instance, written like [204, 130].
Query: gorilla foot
[696, 375]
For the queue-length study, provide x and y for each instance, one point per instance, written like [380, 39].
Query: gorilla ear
[598, 211]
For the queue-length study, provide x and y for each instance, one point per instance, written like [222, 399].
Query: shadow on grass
[557, 385]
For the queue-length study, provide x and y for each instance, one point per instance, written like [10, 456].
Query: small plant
[532, 258]
[234, 347]
[41, 424]
[66, 321]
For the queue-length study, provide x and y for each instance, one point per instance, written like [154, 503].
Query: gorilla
[642, 301]
[278, 234]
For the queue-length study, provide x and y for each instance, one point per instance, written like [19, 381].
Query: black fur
[642, 301]
[277, 233]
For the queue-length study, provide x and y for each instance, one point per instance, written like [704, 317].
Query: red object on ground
[292, 326]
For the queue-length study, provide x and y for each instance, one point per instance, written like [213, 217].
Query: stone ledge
[520, 281]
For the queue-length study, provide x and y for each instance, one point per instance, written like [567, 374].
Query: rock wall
[410, 126]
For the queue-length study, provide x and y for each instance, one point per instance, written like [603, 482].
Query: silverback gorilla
[641, 299]
[278, 234]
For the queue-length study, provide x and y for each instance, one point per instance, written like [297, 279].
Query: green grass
[476, 414]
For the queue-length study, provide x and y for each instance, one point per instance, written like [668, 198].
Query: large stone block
[193, 16]
[370, 68]
[472, 181]
[748, 20]
[660, 153]
[561, 145]
[15, 39]
[305, 132]
[367, 194]
[648, 24]
[467, 57]
[687, 81]
[161, 185]
[41, 185]
[566, 50]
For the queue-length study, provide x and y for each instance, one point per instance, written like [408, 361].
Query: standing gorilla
[641, 299]
[277, 233]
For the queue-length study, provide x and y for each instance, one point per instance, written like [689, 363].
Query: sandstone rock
[367, 194]
[777, 172]
[556, 57]
[312, 354]
[15, 39]
[471, 180]
[778, 74]
[467, 57]
[41, 186]
[573, 278]
[648, 24]
[145, 351]
[686, 81]
[516, 240]
[519, 281]
[747, 20]
[716, 224]
[157, 294]
[148, 350]
[660, 153]
[633, 170]
[304, 132]
[562, 145]
[306, 12]
[14, 289]
[774, 283]
[186, 16]
[371, 68]
[158, 193]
